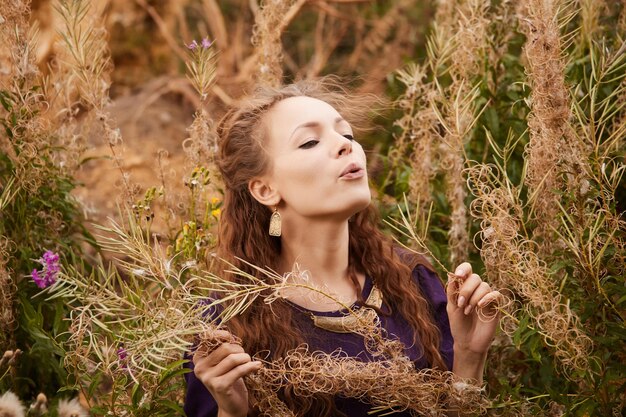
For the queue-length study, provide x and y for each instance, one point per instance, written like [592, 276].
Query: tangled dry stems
[389, 383]
[156, 329]
[512, 262]
[556, 157]
[386, 384]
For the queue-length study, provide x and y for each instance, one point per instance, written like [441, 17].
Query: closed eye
[348, 137]
[309, 144]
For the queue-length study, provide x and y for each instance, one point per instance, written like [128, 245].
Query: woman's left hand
[466, 294]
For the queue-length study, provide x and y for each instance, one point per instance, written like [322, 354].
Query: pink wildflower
[48, 274]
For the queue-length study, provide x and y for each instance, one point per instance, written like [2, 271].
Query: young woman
[290, 161]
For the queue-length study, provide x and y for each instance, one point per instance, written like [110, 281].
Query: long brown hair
[243, 234]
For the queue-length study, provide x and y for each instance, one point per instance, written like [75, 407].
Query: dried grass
[8, 290]
[440, 114]
[556, 158]
[157, 312]
[417, 125]
[271, 20]
[17, 61]
[512, 262]
[390, 383]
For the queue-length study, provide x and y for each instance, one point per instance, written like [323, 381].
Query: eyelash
[315, 142]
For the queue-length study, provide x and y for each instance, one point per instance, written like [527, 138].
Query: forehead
[291, 112]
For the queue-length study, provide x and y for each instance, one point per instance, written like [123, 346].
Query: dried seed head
[16, 355]
[10, 406]
[40, 406]
[71, 408]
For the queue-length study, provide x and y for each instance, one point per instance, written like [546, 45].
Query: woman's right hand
[222, 371]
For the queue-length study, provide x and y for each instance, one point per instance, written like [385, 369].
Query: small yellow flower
[216, 213]
[215, 200]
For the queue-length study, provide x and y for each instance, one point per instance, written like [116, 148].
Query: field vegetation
[499, 137]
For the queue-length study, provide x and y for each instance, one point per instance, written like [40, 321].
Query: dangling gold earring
[275, 224]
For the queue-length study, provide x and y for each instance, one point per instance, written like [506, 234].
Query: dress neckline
[365, 293]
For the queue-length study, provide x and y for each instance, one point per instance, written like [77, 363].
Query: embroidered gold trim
[349, 323]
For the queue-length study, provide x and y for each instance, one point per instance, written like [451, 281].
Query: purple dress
[200, 403]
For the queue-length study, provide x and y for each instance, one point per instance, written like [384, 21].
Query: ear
[263, 192]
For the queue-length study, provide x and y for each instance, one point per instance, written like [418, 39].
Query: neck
[320, 247]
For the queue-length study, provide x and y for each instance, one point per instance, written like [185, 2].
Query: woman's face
[317, 168]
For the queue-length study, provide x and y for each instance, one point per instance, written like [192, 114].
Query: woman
[291, 164]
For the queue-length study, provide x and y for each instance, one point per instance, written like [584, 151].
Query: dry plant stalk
[139, 325]
[468, 23]
[388, 385]
[17, 57]
[32, 133]
[8, 290]
[590, 13]
[270, 21]
[440, 117]
[458, 112]
[417, 124]
[83, 51]
[554, 151]
[512, 262]
[457, 118]
[201, 145]
[84, 78]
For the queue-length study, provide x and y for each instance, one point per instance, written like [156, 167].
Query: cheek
[360, 151]
[299, 175]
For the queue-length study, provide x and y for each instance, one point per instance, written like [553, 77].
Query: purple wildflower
[51, 268]
[193, 45]
[39, 280]
[206, 43]
[122, 355]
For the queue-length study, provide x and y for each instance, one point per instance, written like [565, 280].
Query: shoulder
[412, 259]
[424, 275]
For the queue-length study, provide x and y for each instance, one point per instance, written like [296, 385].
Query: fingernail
[468, 309]
[461, 301]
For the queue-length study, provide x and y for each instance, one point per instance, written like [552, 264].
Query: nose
[345, 146]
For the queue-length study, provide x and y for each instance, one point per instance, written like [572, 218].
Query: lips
[352, 171]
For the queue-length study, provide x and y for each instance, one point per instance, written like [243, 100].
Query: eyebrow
[315, 124]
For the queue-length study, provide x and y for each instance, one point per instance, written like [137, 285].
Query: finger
[464, 270]
[452, 288]
[216, 356]
[467, 289]
[488, 306]
[227, 380]
[226, 365]
[490, 298]
[481, 291]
